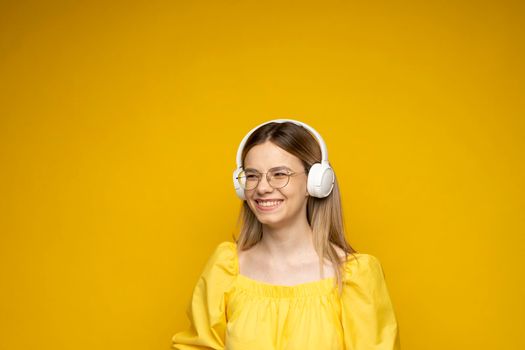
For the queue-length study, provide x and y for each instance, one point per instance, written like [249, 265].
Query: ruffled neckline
[319, 287]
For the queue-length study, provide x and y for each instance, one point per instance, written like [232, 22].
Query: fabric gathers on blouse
[230, 311]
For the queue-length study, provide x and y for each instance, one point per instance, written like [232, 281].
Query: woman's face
[292, 198]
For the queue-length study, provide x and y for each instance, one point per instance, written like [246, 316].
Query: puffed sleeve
[206, 310]
[368, 317]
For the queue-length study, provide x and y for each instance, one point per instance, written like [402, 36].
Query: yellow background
[119, 126]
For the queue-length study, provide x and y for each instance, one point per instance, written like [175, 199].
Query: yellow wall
[119, 123]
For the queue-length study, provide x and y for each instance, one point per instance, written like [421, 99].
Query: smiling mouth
[267, 206]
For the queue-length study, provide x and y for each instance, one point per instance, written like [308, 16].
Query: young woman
[290, 281]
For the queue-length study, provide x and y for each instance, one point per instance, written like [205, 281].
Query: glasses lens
[279, 178]
[248, 180]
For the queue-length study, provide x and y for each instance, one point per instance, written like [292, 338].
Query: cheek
[296, 195]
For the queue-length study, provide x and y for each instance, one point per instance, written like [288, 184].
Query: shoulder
[358, 263]
[225, 248]
[362, 266]
[222, 260]
[350, 260]
[218, 275]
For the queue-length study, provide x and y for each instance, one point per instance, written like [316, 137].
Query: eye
[280, 174]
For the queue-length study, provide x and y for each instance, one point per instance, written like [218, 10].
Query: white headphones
[320, 176]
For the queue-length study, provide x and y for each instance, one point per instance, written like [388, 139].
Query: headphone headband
[320, 141]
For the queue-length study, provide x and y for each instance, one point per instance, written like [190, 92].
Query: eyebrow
[274, 168]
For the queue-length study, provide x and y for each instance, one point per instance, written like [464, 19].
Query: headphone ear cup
[320, 180]
[238, 189]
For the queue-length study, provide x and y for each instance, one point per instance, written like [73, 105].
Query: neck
[290, 244]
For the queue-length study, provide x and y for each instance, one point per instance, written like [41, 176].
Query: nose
[263, 185]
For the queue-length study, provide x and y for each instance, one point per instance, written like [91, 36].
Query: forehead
[268, 156]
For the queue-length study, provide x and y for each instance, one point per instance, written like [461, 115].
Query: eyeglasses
[276, 178]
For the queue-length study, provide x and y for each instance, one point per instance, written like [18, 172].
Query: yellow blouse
[231, 311]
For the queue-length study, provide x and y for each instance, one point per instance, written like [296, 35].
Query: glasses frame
[290, 173]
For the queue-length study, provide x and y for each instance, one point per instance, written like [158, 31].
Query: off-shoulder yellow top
[234, 312]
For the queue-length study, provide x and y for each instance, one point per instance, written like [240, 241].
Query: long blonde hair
[324, 215]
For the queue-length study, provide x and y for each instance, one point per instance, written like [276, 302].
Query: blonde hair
[324, 215]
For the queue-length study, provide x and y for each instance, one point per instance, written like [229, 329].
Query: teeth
[269, 204]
